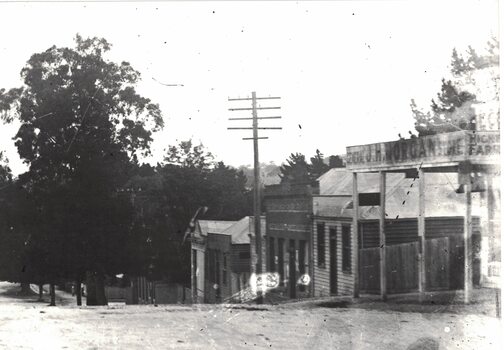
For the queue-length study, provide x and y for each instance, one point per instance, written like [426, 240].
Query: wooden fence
[369, 276]
[437, 263]
[402, 270]
[444, 266]
[402, 274]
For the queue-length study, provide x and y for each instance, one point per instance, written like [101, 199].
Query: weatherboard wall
[321, 272]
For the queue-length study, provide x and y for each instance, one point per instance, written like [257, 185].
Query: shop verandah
[474, 157]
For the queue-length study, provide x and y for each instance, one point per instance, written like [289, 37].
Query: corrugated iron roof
[401, 198]
[331, 206]
[241, 230]
[213, 226]
[440, 199]
[339, 181]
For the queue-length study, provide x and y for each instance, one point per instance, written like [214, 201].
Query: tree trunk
[40, 292]
[25, 289]
[52, 290]
[100, 289]
[78, 292]
[95, 289]
[90, 290]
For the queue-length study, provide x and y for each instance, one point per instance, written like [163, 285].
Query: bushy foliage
[469, 100]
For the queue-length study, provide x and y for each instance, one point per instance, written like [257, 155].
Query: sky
[345, 70]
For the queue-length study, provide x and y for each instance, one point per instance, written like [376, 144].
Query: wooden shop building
[334, 268]
[470, 157]
[221, 259]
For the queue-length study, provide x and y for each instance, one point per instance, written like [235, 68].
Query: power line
[257, 194]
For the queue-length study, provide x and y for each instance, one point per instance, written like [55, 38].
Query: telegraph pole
[257, 188]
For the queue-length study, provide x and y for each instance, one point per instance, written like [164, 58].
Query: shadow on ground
[484, 301]
[14, 291]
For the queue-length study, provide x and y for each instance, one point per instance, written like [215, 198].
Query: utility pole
[257, 188]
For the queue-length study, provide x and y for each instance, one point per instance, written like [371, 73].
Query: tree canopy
[83, 126]
[469, 99]
[297, 170]
[167, 197]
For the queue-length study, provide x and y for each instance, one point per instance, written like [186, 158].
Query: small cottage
[222, 258]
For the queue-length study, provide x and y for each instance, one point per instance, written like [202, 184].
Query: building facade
[200, 275]
[222, 260]
[473, 158]
[334, 271]
[288, 237]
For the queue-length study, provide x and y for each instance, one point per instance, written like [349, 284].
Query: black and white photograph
[250, 175]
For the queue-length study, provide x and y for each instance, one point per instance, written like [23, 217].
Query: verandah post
[355, 236]
[468, 241]
[383, 251]
[421, 233]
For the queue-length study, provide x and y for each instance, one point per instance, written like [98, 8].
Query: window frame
[346, 248]
[321, 245]
[281, 257]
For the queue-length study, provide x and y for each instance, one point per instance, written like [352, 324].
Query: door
[302, 262]
[333, 265]
[217, 278]
[195, 274]
[292, 268]
[437, 263]
[281, 270]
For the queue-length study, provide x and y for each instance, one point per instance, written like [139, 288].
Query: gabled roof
[332, 206]
[339, 181]
[204, 227]
[241, 230]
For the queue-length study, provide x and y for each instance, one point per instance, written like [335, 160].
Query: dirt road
[25, 324]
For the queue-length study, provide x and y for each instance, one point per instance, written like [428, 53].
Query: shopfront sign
[435, 150]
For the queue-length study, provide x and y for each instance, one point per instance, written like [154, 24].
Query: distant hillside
[269, 173]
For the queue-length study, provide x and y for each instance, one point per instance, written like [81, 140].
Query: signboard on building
[478, 147]
[288, 211]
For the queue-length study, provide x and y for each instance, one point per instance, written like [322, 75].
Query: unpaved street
[26, 324]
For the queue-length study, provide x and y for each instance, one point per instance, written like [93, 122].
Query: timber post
[421, 234]
[355, 235]
[383, 245]
[468, 240]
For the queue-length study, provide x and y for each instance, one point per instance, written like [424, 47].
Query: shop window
[211, 265]
[244, 255]
[321, 244]
[195, 268]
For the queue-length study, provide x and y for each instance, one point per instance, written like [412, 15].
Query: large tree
[318, 165]
[168, 196]
[16, 224]
[9, 244]
[336, 162]
[83, 127]
[5, 171]
[469, 99]
[297, 170]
